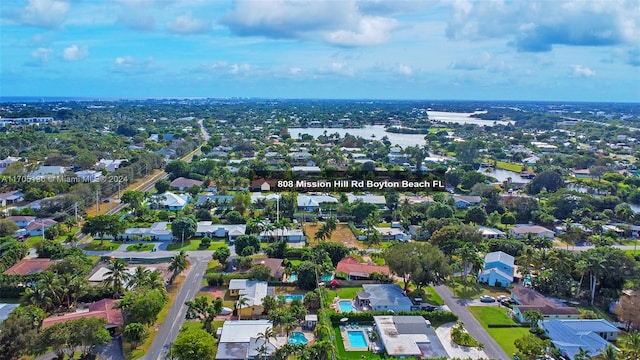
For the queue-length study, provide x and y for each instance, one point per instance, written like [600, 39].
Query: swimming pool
[326, 277]
[346, 306]
[290, 297]
[357, 339]
[293, 277]
[297, 338]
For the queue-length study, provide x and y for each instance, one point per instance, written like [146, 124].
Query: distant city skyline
[379, 49]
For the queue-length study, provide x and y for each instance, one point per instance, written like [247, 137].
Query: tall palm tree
[267, 335]
[242, 302]
[116, 276]
[596, 268]
[178, 264]
[582, 354]
[609, 353]
[630, 345]
[581, 267]
[469, 256]
[139, 277]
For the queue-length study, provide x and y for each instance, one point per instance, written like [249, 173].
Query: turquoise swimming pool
[297, 338]
[293, 277]
[290, 297]
[357, 339]
[326, 277]
[346, 306]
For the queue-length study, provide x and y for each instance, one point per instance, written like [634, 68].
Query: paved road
[175, 318]
[458, 306]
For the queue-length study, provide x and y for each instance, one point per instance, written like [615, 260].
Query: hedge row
[435, 317]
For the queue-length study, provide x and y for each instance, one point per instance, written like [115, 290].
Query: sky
[551, 50]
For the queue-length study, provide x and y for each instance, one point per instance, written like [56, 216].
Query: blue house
[498, 269]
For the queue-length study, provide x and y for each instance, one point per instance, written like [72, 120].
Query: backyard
[342, 234]
[473, 290]
[343, 354]
[493, 315]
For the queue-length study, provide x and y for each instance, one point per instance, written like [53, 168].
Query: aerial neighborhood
[294, 229]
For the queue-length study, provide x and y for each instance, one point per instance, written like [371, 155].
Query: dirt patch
[342, 235]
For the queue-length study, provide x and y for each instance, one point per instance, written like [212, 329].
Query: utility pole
[97, 200]
[182, 237]
[75, 211]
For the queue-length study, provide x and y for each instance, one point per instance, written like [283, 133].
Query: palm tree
[178, 264]
[630, 345]
[609, 353]
[582, 354]
[596, 267]
[139, 277]
[533, 317]
[581, 267]
[469, 256]
[242, 302]
[116, 276]
[266, 335]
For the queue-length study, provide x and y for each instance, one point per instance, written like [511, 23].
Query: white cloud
[337, 68]
[341, 23]
[370, 31]
[186, 24]
[405, 69]
[582, 71]
[75, 53]
[295, 70]
[44, 13]
[40, 57]
[239, 68]
[131, 65]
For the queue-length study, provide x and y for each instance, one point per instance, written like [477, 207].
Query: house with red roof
[103, 309]
[356, 270]
[29, 266]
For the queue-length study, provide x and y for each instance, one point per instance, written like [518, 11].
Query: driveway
[458, 307]
[454, 350]
[175, 318]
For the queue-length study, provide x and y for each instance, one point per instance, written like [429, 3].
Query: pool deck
[347, 343]
[336, 305]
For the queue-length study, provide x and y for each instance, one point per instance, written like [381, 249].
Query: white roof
[499, 256]
[99, 275]
[490, 231]
[241, 331]
[253, 291]
[173, 200]
[395, 343]
[315, 200]
[370, 199]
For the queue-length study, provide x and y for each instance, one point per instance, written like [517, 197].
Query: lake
[464, 118]
[502, 175]
[366, 132]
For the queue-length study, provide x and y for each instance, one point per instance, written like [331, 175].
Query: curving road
[459, 307]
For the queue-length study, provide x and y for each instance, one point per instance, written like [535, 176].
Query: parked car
[487, 299]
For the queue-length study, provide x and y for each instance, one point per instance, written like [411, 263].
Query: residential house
[89, 175]
[37, 226]
[29, 266]
[288, 235]
[306, 169]
[211, 187]
[171, 201]
[11, 197]
[310, 203]
[251, 290]
[275, 265]
[240, 340]
[523, 230]
[260, 185]
[157, 232]
[377, 200]
[4, 163]
[356, 270]
[182, 183]
[569, 336]
[47, 172]
[409, 336]
[104, 309]
[228, 231]
[381, 297]
[21, 221]
[498, 269]
[466, 201]
[528, 299]
[109, 165]
[258, 197]
[389, 234]
[490, 233]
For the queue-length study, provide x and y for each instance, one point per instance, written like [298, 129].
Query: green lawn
[343, 354]
[194, 244]
[345, 292]
[295, 262]
[509, 166]
[505, 337]
[107, 245]
[433, 298]
[140, 247]
[473, 290]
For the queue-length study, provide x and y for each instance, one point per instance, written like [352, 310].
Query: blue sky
[585, 50]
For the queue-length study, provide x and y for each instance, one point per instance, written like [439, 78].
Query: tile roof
[103, 309]
[351, 265]
[29, 266]
[182, 182]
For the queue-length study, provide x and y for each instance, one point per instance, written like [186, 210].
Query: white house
[569, 336]
[490, 233]
[89, 175]
[288, 235]
[171, 201]
[393, 233]
[239, 340]
[109, 165]
[227, 231]
[47, 171]
[522, 230]
[157, 232]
